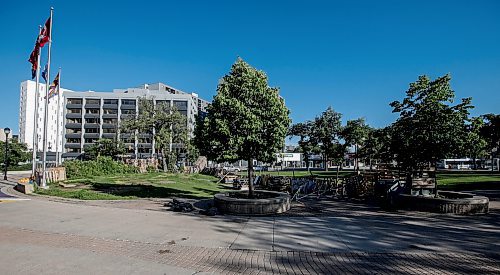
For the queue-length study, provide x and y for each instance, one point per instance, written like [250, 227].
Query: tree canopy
[247, 119]
[165, 124]
[429, 126]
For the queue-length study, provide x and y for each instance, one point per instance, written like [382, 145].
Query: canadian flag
[44, 36]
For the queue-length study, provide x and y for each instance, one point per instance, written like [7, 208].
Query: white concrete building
[87, 116]
[27, 112]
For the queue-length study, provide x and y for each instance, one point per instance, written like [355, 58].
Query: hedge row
[100, 167]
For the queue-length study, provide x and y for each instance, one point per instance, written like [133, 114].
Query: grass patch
[81, 194]
[460, 181]
[130, 186]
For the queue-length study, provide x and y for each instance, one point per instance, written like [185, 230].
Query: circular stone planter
[448, 202]
[266, 202]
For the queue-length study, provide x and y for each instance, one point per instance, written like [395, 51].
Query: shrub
[99, 167]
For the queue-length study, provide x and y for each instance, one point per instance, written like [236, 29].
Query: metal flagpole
[44, 161]
[35, 116]
[58, 109]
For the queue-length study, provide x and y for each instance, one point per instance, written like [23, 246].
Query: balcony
[127, 116]
[110, 106]
[108, 135]
[91, 125]
[91, 115]
[109, 125]
[109, 115]
[73, 135]
[71, 155]
[91, 135]
[73, 106]
[92, 106]
[128, 107]
[73, 115]
[72, 145]
[73, 125]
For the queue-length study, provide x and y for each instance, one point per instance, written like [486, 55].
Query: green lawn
[469, 181]
[132, 186]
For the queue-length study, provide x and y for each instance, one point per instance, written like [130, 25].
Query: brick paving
[234, 261]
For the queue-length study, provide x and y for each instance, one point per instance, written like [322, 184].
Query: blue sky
[356, 56]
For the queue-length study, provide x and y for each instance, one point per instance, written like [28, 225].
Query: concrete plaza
[56, 236]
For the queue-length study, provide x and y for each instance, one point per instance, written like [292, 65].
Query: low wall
[449, 202]
[279, 203]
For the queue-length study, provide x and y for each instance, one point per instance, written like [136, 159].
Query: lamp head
[6, 131]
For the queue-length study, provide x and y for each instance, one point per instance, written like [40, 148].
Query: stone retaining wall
[231, 205]
[453, 203]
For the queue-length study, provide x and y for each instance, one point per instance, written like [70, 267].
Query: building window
[110, 111]
[92, 111]
[91, 120]
[74, 101]
[73, 131]
[128, 102]
[74, 120]
[111, 101]
[93, 101]
[128, 112]
[180, 105]
[109, 120]
[92, 131]
[74, 111]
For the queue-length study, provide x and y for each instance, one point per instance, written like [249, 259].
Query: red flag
[34, 60]
[44, 36]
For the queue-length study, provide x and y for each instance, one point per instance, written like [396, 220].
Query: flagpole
[35, 116]
[58, 109]
[44, 165]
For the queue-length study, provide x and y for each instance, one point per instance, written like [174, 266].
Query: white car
[231, 169]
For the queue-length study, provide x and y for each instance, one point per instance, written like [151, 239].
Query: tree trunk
[164, 161]
[250, 178]
[326, 162]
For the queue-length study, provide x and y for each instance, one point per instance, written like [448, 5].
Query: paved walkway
[51, 236]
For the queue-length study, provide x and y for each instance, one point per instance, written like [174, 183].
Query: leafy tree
[18, 152]
[306, 143]
[165, 124]
[475, 144]
[491, 133]
[326, 132]
[377, 146]
[105, 147]
[429, 127]
[354, 134]
[246, 120]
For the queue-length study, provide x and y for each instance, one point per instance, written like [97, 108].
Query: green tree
[475, 144]
[354, 134]
[167, 126]
[246, 120]
[18, 152]
[377, 146]
[429, 126]
[326, 132]
[105, 147]
[306, 143]
[491, 133]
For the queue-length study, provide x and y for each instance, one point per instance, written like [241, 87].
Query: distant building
[85, 117]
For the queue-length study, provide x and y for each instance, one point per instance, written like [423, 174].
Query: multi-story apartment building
[88, 116]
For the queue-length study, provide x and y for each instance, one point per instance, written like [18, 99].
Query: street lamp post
[6, 160]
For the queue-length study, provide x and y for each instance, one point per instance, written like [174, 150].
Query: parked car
[231, 169]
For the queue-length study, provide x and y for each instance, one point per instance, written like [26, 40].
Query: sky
[356, 56]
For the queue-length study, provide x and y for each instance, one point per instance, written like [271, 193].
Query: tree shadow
[151, 191]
